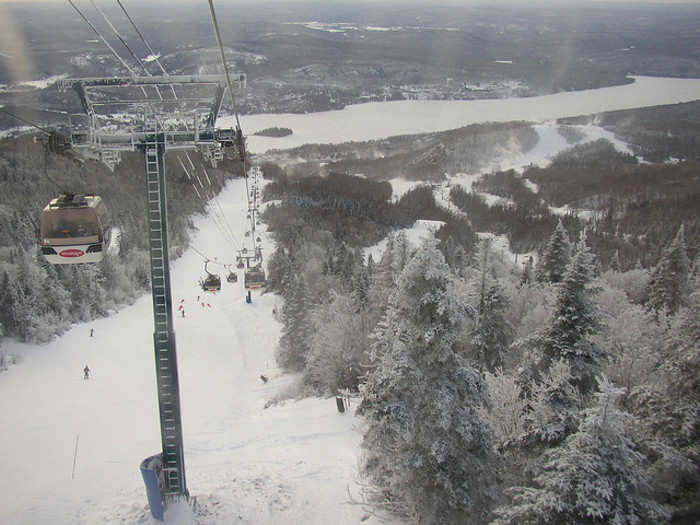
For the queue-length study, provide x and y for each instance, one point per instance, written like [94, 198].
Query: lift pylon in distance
[181, 117]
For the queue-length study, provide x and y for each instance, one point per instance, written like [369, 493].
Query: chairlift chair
[232, 276]
[212, 282]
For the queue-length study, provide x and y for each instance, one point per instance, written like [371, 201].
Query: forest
[558, 391]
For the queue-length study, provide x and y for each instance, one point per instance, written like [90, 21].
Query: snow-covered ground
[291, 463]
[44, 83]
[416, 234]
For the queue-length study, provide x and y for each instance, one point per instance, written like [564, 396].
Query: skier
[86, 372]
[92, 331]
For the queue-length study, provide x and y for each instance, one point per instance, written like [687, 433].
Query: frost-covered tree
[88, 296]
[554, 406]
[492, 332]
[338, 346]
[631, 336]
[426, 449]
[595, 476]
[507, 407]
[296, 329]
[573, 321]
[668, 286]
[557, 254]
[394, 258]
[668, 414]
[386, 271]
[526, 276]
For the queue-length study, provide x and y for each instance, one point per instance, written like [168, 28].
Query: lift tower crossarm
[82, 86]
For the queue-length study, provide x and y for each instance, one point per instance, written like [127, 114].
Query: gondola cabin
[74, 229]
[254, 278]
[212, 283]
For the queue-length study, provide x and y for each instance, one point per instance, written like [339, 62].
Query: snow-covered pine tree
[669, 419]
[426, 448]
[507, 408]
[296, 329]
[386, 271]
[556, 256]
[574, 319]
[338, 345]
[399, 252]
[596, 476]
[554, 407]
[492, 333]
[280, 268]
[526, 275]
[668, 286]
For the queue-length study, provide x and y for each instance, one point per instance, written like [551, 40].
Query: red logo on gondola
[73, 252]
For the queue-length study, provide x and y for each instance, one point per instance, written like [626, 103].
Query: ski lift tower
[156, 114]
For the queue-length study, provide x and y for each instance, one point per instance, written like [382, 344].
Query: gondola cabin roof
[77, 200]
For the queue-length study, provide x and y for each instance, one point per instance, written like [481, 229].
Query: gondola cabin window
[74, 229]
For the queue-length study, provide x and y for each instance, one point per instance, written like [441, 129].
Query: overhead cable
[223, 62]
[133, 73]
[43, 130]
[145, 43]
[119, 36]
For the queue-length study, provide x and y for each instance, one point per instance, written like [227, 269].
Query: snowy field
[291, 463]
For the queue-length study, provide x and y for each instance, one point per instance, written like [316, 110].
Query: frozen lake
[376, 120]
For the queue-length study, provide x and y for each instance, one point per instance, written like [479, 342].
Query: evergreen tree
[427, 450]
[398, 254]
[595, 476]
[556, 256]
[280, 269]
[526, 275]
[296, 330]
[668, 286]
[339, 344]
[554, 408]
[6, 301]
[666, 407]
[615, 264]
[492, 333]
[573, 321]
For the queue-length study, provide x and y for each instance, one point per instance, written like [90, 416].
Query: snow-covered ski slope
[288, 464]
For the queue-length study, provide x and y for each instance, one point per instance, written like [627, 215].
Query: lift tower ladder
[164, 334]
[195, 128]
